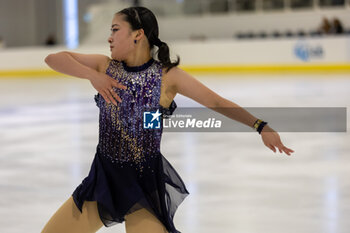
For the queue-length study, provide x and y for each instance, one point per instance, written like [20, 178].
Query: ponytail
[164, 57]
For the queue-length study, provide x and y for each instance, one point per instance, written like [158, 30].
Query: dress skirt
[120, 189]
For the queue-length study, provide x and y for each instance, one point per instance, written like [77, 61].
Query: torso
[167, 93]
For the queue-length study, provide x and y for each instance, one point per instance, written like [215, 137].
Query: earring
[135, 41]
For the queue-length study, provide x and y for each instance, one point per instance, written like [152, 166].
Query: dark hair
[141, 17]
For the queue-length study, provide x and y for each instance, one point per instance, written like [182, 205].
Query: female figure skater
[130, 180]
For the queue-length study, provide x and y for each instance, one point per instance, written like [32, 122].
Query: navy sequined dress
[128, 171]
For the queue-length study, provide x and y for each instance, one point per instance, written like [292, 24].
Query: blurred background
[291, 32]
[256, 53]
[55, 21]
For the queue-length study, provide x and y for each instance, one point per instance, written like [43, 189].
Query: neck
[138, 60]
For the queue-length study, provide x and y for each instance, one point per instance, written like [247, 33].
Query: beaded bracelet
[259, 125]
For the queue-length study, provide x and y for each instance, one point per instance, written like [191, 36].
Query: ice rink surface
[49, 133]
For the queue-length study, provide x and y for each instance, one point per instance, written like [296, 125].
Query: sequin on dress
[128, 171]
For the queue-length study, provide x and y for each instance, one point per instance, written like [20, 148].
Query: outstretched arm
[185, 84]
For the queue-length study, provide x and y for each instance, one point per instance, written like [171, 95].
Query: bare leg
[143, 221]
[68, 218]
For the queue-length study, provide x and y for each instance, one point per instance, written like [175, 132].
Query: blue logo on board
[305, 52]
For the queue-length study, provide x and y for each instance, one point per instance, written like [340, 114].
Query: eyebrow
[115, 25]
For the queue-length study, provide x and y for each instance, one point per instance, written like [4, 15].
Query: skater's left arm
[185, 84]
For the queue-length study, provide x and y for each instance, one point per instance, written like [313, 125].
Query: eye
[114, 29]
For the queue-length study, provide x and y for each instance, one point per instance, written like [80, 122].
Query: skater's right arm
[75, 64]
[87, 66]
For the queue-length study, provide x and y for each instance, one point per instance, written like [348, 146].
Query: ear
[139, 34]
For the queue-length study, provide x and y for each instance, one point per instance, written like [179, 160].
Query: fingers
[281, 148]
[112, 95]
[106, 88]
[109, 98]
[284, 149]
[111, 91]
[273, 140]
[119, 85]
[288, 151]
[272, 148]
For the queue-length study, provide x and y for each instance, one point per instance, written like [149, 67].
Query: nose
[109, 40]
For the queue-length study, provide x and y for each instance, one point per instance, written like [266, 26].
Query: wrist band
[259, 125]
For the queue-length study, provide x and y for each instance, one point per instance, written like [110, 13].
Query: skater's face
[122, 38]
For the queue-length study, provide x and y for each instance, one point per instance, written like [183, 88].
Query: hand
[271, 139]
[104, 85]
